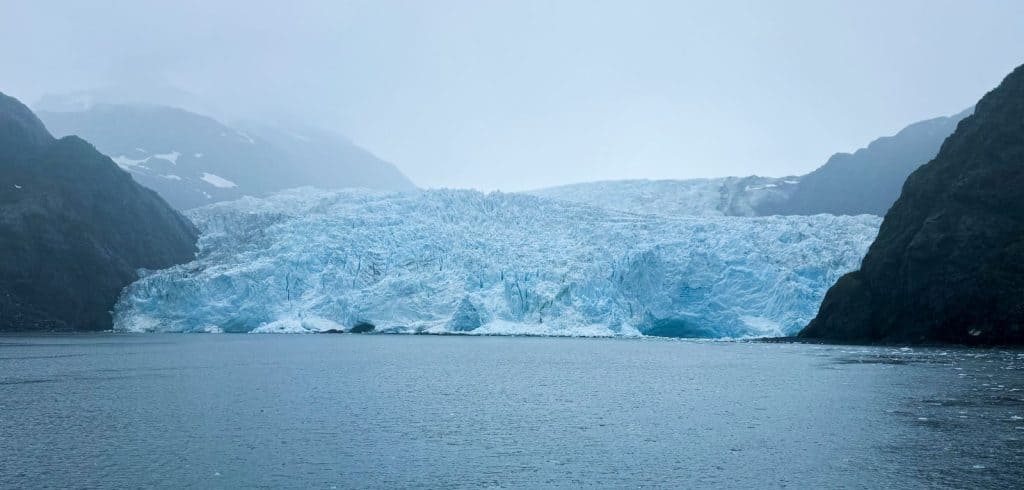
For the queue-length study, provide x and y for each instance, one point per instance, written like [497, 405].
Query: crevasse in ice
[455, 261]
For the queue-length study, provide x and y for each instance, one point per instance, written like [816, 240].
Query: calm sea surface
[351, 411]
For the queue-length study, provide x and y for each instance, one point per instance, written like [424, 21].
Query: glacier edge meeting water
[454, 261]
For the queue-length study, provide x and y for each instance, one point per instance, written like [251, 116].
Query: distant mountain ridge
[867, 181]
[74, 228]
[192, 160]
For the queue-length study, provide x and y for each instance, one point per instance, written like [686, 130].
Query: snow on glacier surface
[466, 262]
[727, 196]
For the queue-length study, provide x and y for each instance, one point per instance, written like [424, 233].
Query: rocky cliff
[74, 228]
[948, 263]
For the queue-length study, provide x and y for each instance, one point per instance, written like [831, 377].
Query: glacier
[724, 196]
[466, 262]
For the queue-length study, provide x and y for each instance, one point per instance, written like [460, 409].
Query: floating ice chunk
[171, 177]
[16, 186]
[218, 181]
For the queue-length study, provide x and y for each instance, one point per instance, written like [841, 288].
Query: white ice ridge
[462, 261]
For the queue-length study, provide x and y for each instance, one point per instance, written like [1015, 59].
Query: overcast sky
[518, 94]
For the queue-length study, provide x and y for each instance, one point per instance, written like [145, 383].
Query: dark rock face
[948, 263]
[867, 181]
[74, 228]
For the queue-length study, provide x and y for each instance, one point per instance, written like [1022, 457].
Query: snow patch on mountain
[218, 181]
[170, 157]
[245, 137]
[449, 261]
[128, 163]
[254, 159]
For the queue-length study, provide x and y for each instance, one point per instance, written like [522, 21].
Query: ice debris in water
[463, 261]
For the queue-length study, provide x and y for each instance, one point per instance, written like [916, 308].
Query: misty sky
[516, 94]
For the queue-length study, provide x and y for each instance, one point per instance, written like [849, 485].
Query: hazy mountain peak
[192, 159]
[19, 127]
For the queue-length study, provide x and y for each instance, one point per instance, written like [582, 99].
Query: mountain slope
[193, 160]
[947, 263]
[74, 228]
[865, 182]
[869, 180]
[329, 160]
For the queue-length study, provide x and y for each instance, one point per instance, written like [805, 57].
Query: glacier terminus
[460, 261]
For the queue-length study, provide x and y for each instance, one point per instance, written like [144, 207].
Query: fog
[516, 95]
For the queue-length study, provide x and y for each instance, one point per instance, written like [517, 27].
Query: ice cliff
[463, 261]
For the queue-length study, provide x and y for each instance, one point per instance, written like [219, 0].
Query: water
[411, 411]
